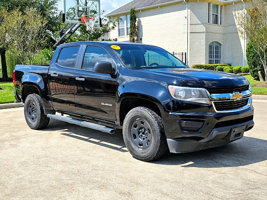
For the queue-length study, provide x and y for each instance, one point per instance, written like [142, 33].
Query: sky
[106, 5]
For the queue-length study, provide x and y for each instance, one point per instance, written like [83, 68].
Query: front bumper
[217, 137]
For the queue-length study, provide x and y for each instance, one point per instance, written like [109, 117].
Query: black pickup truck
[159, 103]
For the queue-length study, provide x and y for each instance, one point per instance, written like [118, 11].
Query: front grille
[230, 104]
[228, 89]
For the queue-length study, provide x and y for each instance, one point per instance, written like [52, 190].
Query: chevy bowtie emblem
[237, 95]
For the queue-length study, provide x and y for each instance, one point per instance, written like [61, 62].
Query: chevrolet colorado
[159, 103]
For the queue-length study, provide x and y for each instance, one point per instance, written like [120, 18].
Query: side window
[68, 56]
[93, 55]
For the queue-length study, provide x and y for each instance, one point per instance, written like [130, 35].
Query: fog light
[191, 125]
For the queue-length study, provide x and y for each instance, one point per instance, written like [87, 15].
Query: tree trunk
[4, 67]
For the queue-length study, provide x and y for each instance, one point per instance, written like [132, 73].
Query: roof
[142, 4]
[101, 43]
[138, 4]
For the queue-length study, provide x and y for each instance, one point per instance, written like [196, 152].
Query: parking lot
[69, 162]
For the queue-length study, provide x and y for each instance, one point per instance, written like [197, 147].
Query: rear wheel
[143, 134]
[34, 112]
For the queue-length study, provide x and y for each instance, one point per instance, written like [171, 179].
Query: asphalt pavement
[69, 162]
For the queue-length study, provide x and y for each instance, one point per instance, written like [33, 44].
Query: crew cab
[160, 104]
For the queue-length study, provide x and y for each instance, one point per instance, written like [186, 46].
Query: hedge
[220, 68]
[209, 66]
[223, 68]
[237, 69]
[245, 69]
[228, 69]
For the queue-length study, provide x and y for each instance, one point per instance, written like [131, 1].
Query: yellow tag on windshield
[116, 47]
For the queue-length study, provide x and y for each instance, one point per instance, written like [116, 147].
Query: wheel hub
[32, 111]
[140, 133]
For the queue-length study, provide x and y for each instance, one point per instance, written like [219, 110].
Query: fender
[152, 91]
[30, 78]
[36, 81]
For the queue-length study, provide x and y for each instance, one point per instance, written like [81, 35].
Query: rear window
[68, 56]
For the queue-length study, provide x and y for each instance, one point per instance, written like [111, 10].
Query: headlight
[197, 95]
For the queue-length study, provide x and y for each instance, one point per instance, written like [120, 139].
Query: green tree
[94, 33]
[254, 25]
[3, 42]
[254, 62]
[133, 26]
[26, 33]
[47, 10]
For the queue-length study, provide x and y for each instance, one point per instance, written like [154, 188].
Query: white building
[207, 30]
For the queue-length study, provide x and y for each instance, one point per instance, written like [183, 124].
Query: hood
[196, 78]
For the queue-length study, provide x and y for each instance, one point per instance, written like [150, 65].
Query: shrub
[245, 69]
[11, 61]
[237, 69]
[254, 62]
[228, 69]
[220, 68]
[43, 58]
[208, 66]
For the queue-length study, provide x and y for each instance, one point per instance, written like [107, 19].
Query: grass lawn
[7, 92]
[258, 87]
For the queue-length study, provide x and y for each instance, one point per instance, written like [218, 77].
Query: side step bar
[82, 123]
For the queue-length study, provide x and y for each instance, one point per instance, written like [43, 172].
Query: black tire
[143, 134]
[34, 112]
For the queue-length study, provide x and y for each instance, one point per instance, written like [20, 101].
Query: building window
[221, 14]
[214, 14]
[128, 24]
[209, 4]
[122, 26]
[215, 53]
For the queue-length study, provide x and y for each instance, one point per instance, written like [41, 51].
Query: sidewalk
[17, 105]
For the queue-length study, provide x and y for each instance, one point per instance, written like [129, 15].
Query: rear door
[96, 92]
[62, 79]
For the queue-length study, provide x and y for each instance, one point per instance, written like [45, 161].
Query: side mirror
[104, 68]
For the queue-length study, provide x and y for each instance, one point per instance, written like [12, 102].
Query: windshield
[146, 57]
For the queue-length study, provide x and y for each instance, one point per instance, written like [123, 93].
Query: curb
[259, 97]
[11, 105]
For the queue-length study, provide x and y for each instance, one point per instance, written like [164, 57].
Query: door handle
[54, 74]
[80, 79]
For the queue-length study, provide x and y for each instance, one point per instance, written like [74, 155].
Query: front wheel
[34, 112]
[143, 134]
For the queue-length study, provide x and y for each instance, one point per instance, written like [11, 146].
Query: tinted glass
[147, 57]
[68, 56]
[93, 55]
